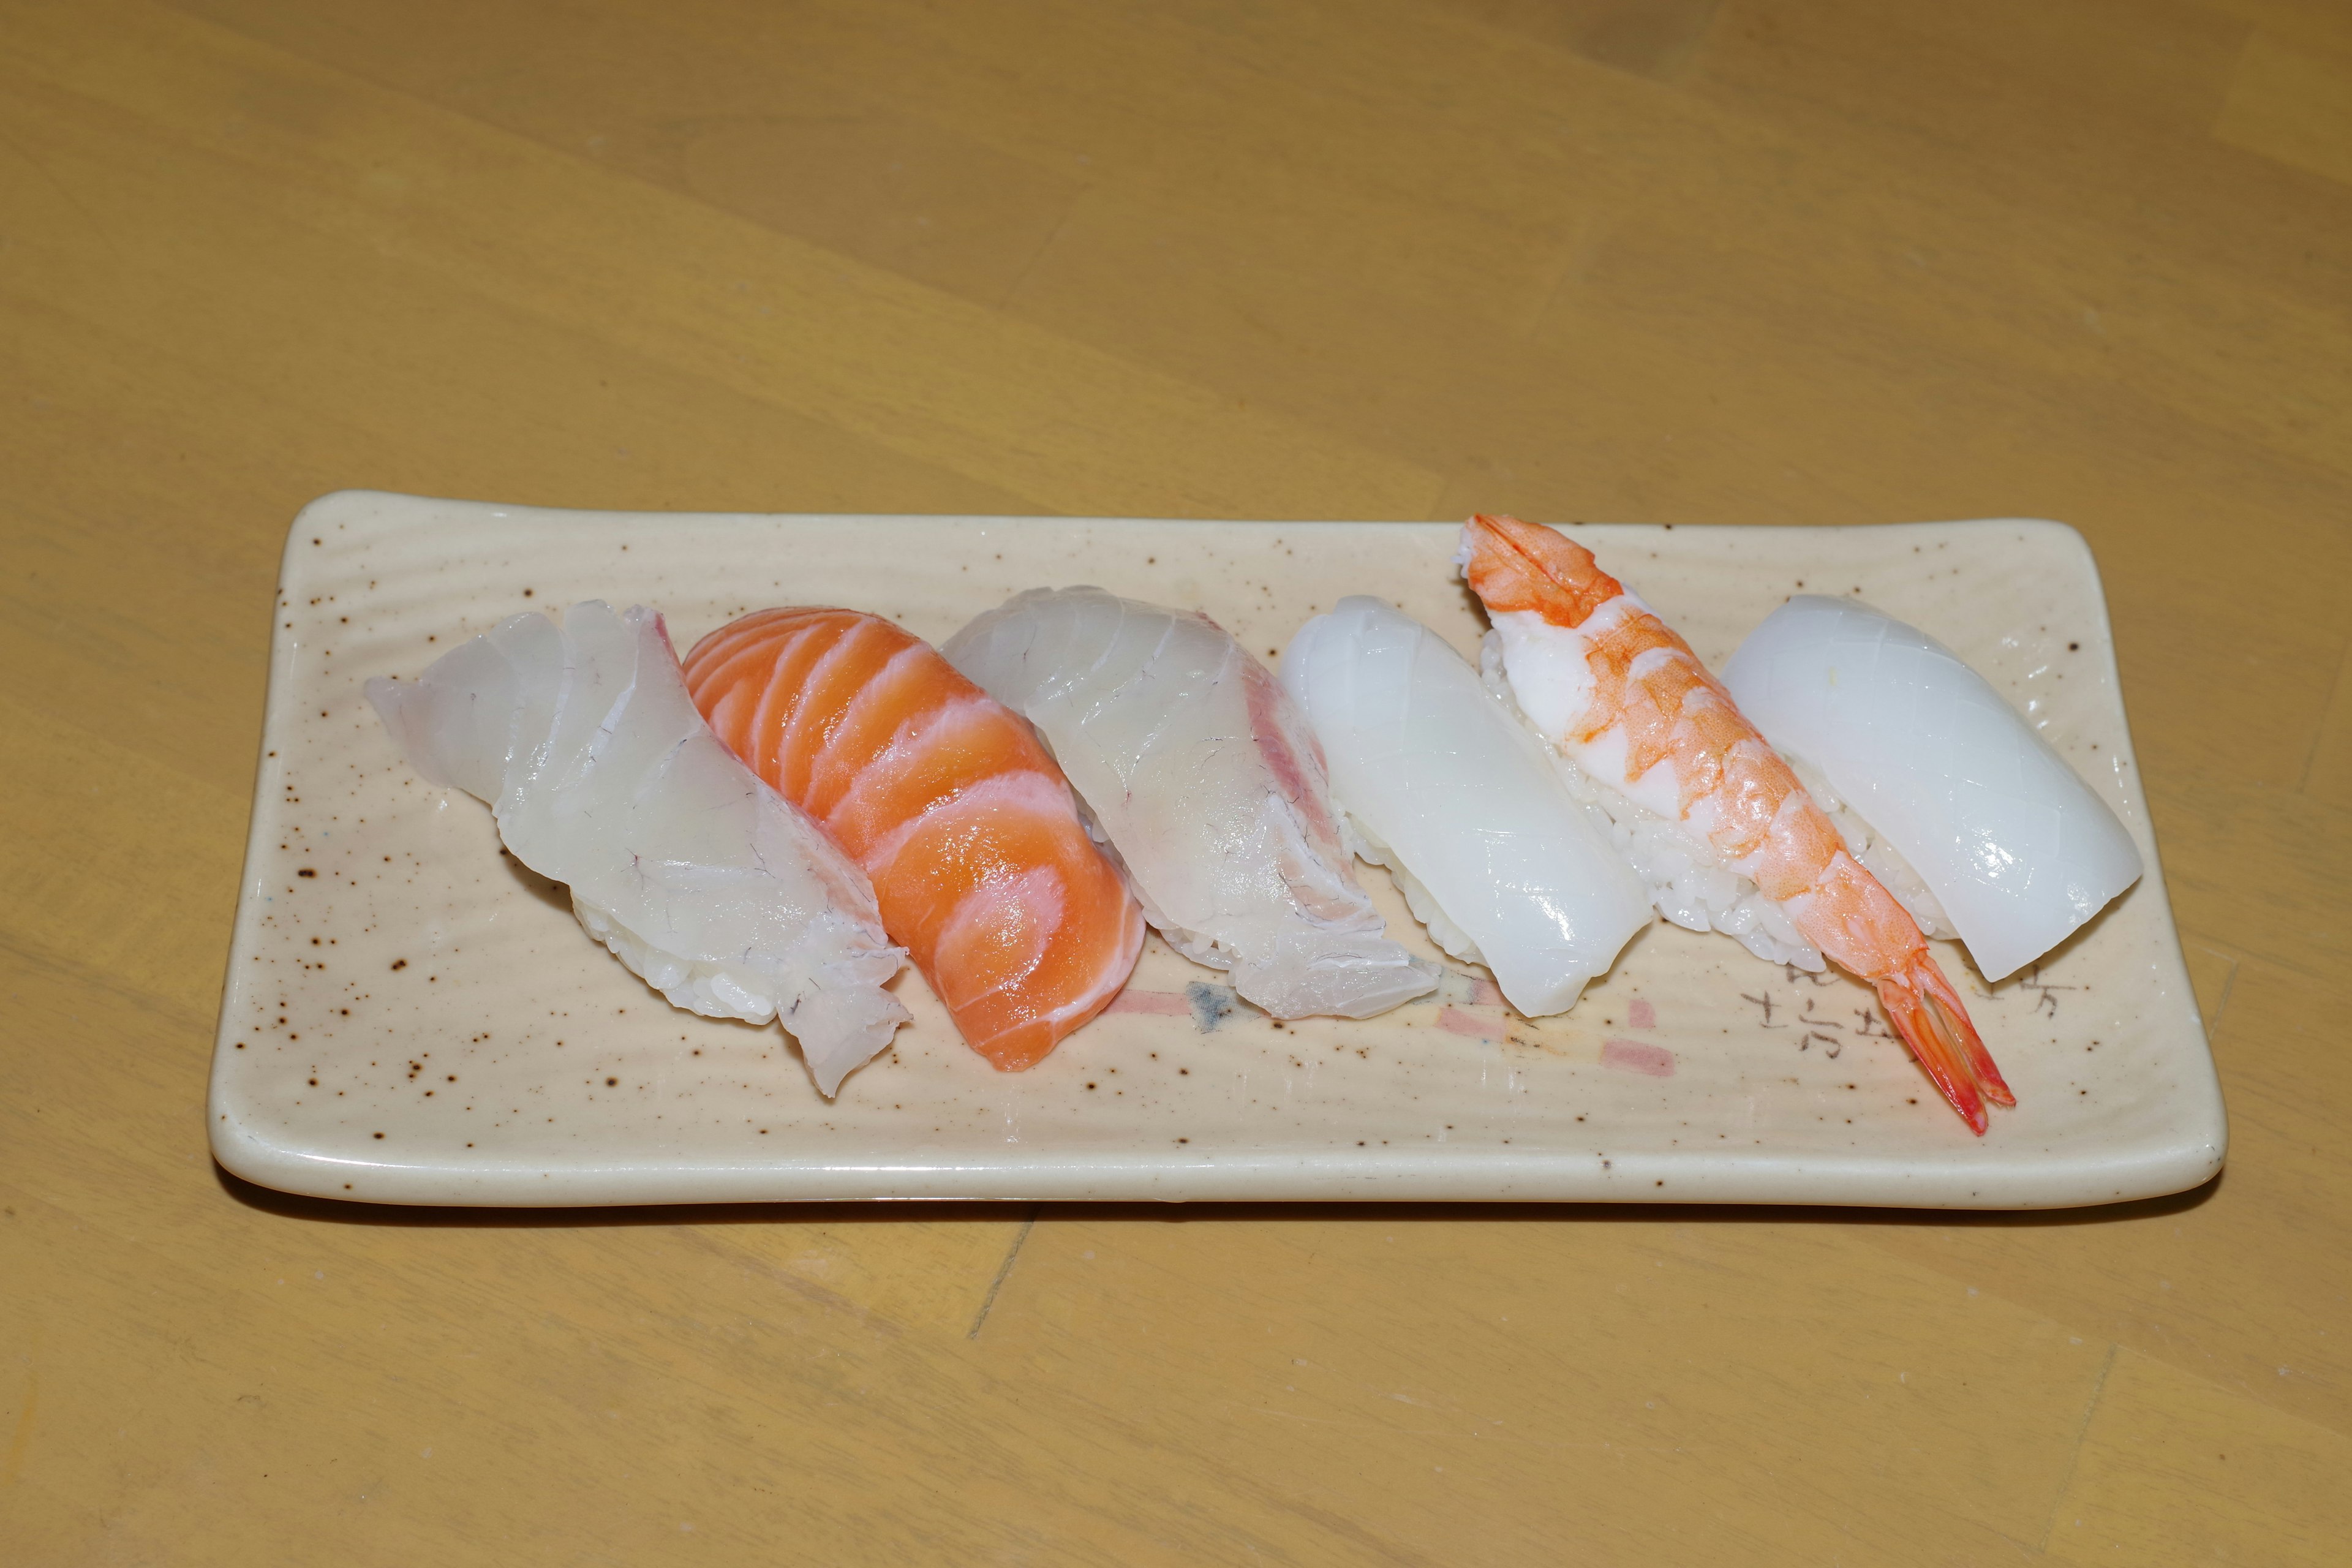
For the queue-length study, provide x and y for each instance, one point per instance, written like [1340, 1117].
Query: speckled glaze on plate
[412, 1017]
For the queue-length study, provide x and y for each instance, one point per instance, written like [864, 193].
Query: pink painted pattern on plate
[1165, 1003]
[1637, 1055]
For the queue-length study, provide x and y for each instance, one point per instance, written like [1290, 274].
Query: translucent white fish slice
[1453, 793]
[1199, 773]
[716, 889]
[2017, 849]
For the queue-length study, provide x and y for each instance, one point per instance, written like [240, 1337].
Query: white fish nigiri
[1200, 773]
[1451, 792]
[716, 889]
[2016, 849]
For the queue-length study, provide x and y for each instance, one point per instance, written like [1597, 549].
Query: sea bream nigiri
[1446, 788]
[1205, 780]
[981, 862]
[600, 774]
[1620, 696]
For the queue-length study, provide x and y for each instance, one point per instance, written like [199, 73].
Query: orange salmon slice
[981, 864]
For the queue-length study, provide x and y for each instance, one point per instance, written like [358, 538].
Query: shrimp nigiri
[1618, 694]
[980, 863]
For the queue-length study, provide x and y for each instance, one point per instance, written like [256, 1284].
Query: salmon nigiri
[981, 864]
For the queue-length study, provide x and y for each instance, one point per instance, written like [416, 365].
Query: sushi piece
[1198, 770]
[980, 863]
[719, 893]
[2009, 846]
[1449, 790]
[1614, 691]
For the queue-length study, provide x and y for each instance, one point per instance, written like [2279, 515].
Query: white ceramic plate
[411, 1018]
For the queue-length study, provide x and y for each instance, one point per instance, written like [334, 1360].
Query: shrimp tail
[1513, 565]
[1934, 1023]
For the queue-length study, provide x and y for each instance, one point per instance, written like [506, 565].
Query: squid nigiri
[1198, 770]
[980, 860]
[2013, 849]
[1623, 698]
[721, 894]
[1445, 787]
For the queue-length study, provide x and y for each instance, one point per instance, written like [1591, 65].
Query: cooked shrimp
[1615, 690]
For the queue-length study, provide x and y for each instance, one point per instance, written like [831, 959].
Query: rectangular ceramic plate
[412, 1017]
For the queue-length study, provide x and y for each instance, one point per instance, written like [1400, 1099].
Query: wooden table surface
[1754, 261]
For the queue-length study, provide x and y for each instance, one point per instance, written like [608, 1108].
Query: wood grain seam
[170, 1007]
[1002, 1270]
[2214, 1024]
[2081, 1431]
[2319, 730]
